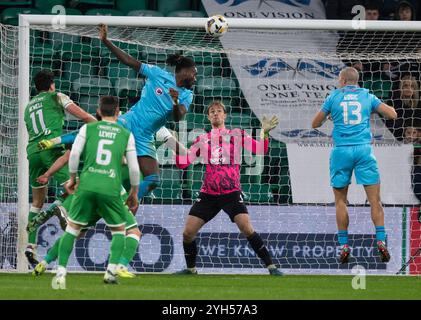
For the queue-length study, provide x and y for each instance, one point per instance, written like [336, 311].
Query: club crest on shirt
[159, 91]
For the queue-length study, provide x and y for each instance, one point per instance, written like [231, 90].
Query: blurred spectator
[406, 11]
[407, 106]
[413, 135]
[389, 9]
[341, 10]
[372, 10]
[403, 68]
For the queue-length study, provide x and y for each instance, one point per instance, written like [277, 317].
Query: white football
[216, 26]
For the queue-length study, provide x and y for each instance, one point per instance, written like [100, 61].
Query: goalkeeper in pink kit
[221, 150]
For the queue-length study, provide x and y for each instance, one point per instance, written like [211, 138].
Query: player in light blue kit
[164, 96]
[350, 108]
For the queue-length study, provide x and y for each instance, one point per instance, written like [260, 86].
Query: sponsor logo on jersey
[159, 91]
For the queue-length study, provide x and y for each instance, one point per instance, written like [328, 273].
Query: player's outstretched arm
[319, 119]
[74, 109]
[387, 111]
[57, 165]
[134, 174]
[182, 161]
[120, 54]
[170, 140]
[74, 159]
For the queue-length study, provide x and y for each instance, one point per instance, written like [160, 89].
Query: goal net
[254, 72]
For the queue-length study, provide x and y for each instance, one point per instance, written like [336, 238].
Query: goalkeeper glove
[45, 144]
[268, 125]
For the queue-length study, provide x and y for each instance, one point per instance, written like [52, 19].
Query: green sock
[32, 236]
[67, 242]
[117, 247]
[52, 253]
[129, 250]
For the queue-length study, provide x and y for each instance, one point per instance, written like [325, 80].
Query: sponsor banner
[415, 241]
[310, 178]
[301, 239]
[294, 84]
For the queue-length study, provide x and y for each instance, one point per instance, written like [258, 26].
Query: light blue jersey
[350, 108]
[154, 108]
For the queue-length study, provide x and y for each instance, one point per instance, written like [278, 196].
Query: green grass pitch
[208, 287]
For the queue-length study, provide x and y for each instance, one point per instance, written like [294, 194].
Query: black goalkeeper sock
[259, 247]
[190, 253]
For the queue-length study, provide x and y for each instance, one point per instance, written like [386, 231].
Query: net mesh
[294, 75]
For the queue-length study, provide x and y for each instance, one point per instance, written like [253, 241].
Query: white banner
[310, 181]
[300, 239]
[289, 85]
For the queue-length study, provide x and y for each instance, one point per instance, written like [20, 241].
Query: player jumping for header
[350, 108]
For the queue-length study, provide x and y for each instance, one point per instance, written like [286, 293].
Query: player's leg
[377, 215]
[81, 209]
[191, 228]
[112, 211]
[233, 205]
[367, 174]
[133, 235]
[203, 210]
[150, 170]
[342, 221]
[341, 167]
[39, 192]
[61, 211]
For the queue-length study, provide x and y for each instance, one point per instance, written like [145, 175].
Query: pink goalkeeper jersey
[221, 150]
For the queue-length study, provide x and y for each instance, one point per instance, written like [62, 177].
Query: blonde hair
[413, 102]
[214, 103]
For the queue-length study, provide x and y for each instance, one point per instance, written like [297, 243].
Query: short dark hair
[180, 62]
[108, 106]
[216, 102]
[43, 80]
[373, 5]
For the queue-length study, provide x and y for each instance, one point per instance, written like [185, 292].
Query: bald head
[349, 76]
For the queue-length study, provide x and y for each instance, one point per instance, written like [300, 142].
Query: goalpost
[298, 229]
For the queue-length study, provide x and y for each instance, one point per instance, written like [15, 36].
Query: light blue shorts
[145, 145]
[359, 158]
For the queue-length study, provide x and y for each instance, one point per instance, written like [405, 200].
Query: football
[216, 26]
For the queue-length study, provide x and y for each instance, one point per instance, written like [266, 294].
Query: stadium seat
[240, 120]
[45, 6]
[126, 6]
[257, 193]
[186, 13]
[210, 58]
[11, 15]
[103, 12]
[193, 180]
[145, 13]
[75, 69]
[197, 121]
[157, 55]
[125, 87]
[78, 52]
[167, 6]
[97, 3]
[92, 86]
[117, 70]
[15, 3]
[217, 88]
[169, 191]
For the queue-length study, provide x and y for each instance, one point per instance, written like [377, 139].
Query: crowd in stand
[395, 82]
